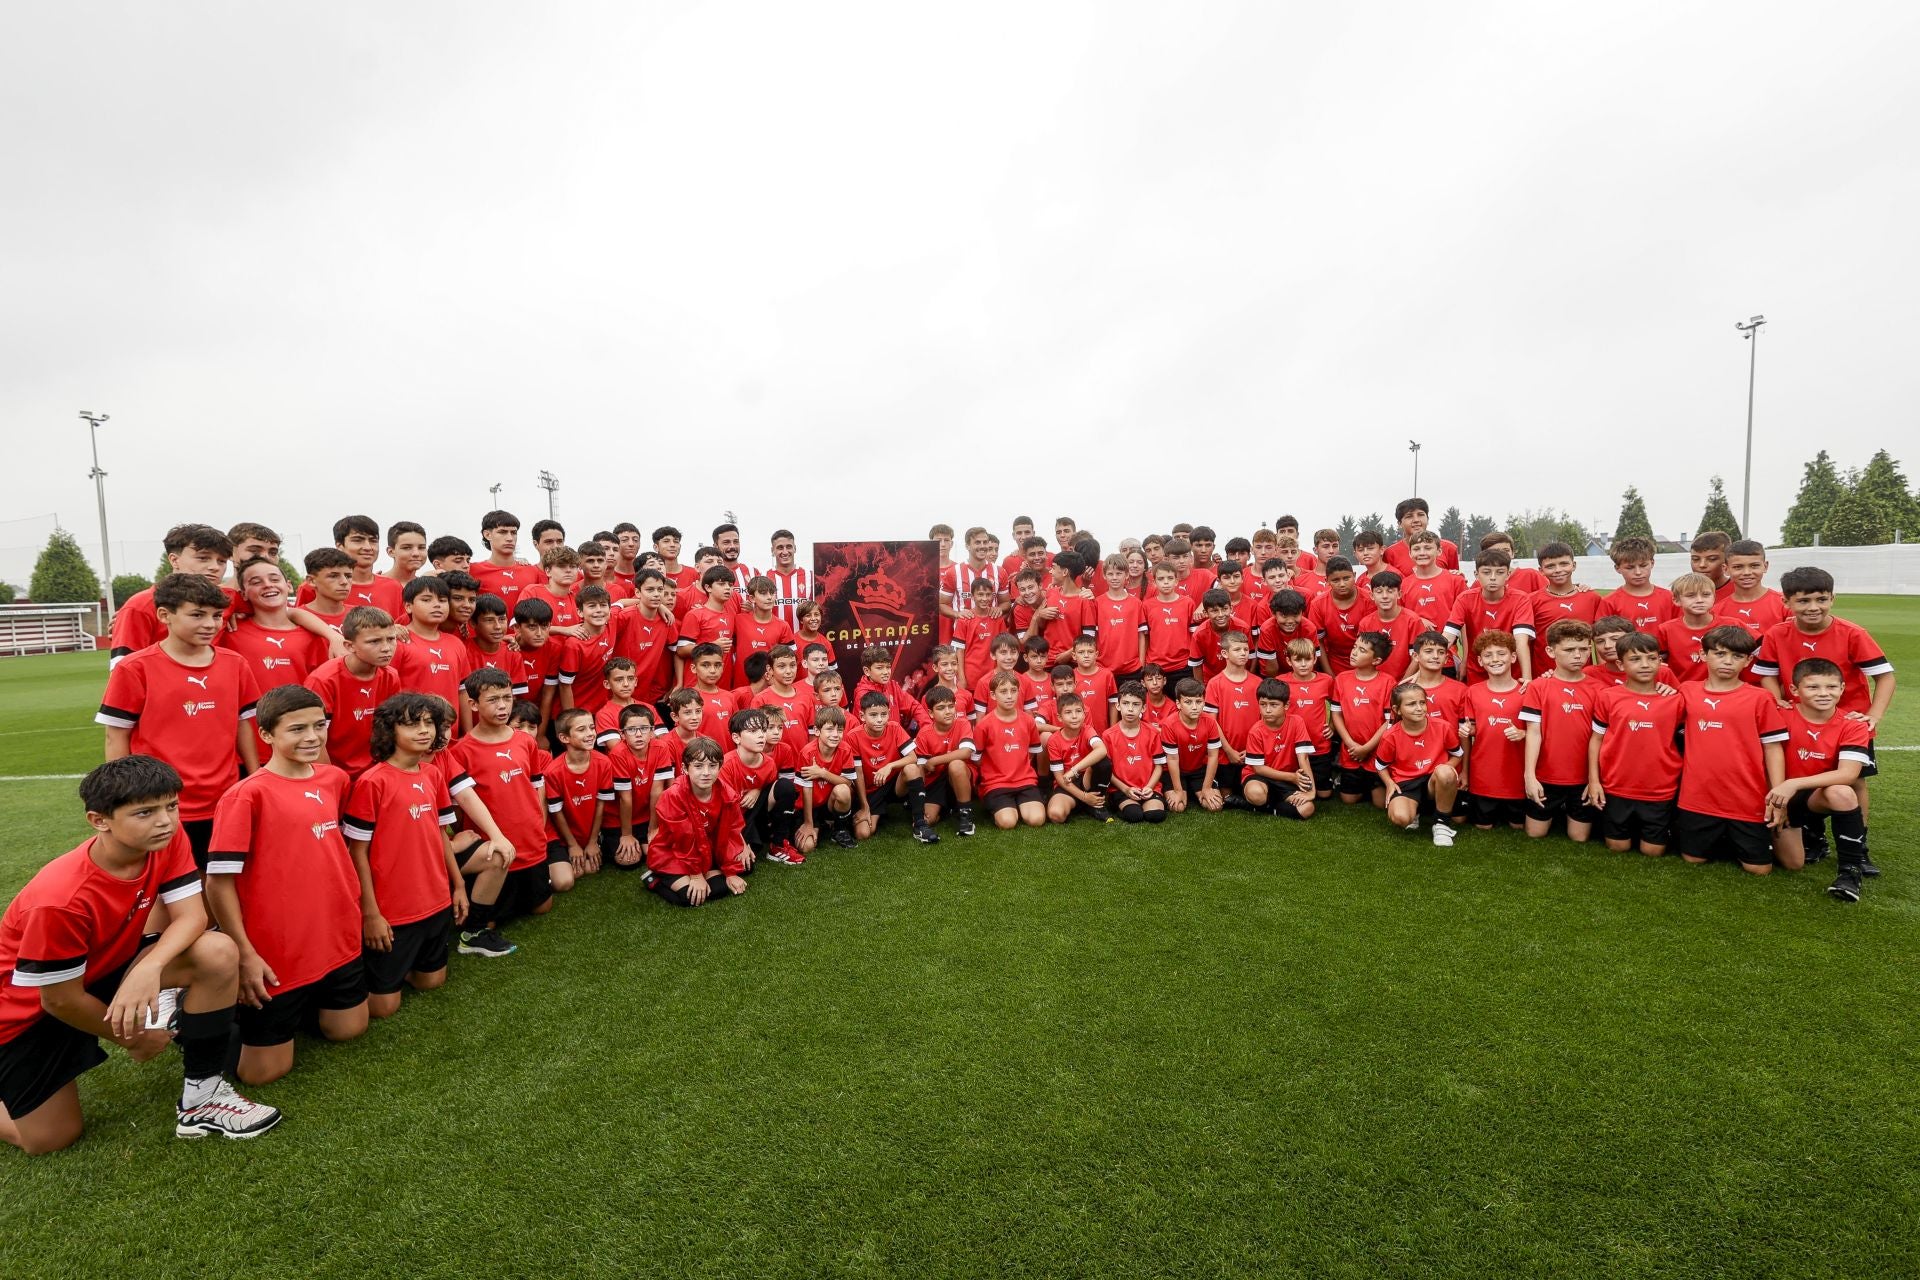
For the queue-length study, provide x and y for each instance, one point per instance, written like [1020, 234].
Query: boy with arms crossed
[81, 968]
[1358, 708]
[1067, 746]
[1636, 598]
[829, 776]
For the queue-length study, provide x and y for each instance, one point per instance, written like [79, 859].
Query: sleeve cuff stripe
[116, 719]
[191, 877]
[24, 977]
[1856, 754]
[357, 830]
[65, 966]
[181, 894]
[225, 867]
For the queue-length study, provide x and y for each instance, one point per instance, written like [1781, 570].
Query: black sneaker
[963, 822]
[486, 942]
[843, 837]
[1846, 885]
[1817, 851]
[1867, 868]
[925, 834]
[1233, 800]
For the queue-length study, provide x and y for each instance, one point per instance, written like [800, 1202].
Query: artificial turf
[1226, 1045]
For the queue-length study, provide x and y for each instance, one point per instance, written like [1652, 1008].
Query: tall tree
[1532, 530]
[1820, 488]
[1478, 527]
[62, 574]
[1884, 488]
[1718, 514]
[1453, 525]
[1854, 521]
[126, 586]
[1633, 521]
[1347, 527]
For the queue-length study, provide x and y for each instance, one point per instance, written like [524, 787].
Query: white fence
[48, 628]
[1891, 570]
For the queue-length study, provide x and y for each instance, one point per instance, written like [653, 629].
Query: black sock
[1130, 811]
[1156, 815]
[203, 1041]
[917, 797]
[480, 915]
[1850, 833]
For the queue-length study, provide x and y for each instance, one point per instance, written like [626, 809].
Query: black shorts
[940, 794]
[283, 1015]
[1325, 773]
[1800, 812]
[520, 893]
[610, 845]
[1190, 781]
[49, 1054]
[1012, 798]
[557, 852]
[1420, 792]
[1564, 800]
[420, 947]
[1700, 835]
[200, 836]
[1358, 782]
[1494, 811]
[1651, 821]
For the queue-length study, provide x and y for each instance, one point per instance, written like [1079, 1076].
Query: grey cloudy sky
[855, 267]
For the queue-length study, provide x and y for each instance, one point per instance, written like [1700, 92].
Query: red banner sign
[879, 593]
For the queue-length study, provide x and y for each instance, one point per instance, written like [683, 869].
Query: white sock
[196, 1092]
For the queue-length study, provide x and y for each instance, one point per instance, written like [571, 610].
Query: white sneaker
[228, 1114]
[166, 1010]
[1443, 835]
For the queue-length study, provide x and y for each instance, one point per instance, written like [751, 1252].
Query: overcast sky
[853, 268]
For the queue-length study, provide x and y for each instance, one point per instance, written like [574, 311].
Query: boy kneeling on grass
[698, 847]
[81, 965]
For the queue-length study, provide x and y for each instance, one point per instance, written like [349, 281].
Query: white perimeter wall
[1890, 570]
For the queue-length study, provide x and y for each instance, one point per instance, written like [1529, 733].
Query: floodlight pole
[551, 483]
[93, 421]
[1749, 332]
[1413, 447]
[493, 490]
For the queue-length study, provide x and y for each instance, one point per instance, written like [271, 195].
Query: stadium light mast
[1749, 332]
[493, 490]
[1413, 447]
[93, 421]
[551, 483]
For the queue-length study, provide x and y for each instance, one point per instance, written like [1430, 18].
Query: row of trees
[1863, 507]
[62, 576]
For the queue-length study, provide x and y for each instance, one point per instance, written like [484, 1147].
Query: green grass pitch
[1225, 1046]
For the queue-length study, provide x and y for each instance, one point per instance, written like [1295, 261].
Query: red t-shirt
[743, 777]
[1400, 557]
[1338, 624]
[798, 708]
[876, 753]
[841, 762]
[1447, 700]
[136, 625]
[635, 775]
[432, 666]
[1608, 676]
[902, 706]
[1646, 612]
[1119, 626]
[1406, 627]
[751, 637]
[1724, 774]
[1821, 748]
[1843, 643]
[350, 702]
[1169, 634]
[1288, 748]
[648, 642]
[280, 840]
[1404, 756]
[1134, 758]
[1308, 701]
[1757, 616]
[1680, 644]
[565, 612]
[1063, 753]
[506, 581]
[1363, 707]
[702, 625]
[1431, 597]
[1234, 706]
[1496, 767]
[1271, 644]
[1098, 691]
[1564, 711]
[380, 593]
[975, 636]
[590, 654]
[1186, 746]
[276, 657]
[551, 665]
[1031, 691]
[507, 778]
[1639, 743]
[570, 796]
[75, 920]
[1007, 748]
[1581, 606]
[931, 741]
[400, 815]
[187, 716]
[1473, 614]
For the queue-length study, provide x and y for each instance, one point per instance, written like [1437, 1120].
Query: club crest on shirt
[320, 829]
[195, 708]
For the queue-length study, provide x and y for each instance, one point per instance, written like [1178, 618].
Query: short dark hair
[593, 593]
[702, 749]
[366, 526]
[1189, 688]
[1553, 551]
[129, 780]
[200, 537]
[715, 574]
[399, 527]
[1804, 581]
[177, 590]
[409, 708]
[278, 703]
[1407, 506]
[1748, 547]
[546, 526]
[754, 666]
[426, 583]
[536, 613]
[1384, 578]
[746, 718]
[489, 605]
[321, 559]
[873, 698]
[625, 526]
[938, 696]
[498, 520]
[448, 545]
[728, 527]
[364, 617]
[637, 710]
[1815, 667]
[460, 580]
[1271, 690]
[665, 531]
[1733, 639]
[482, 679]
[1634, 642]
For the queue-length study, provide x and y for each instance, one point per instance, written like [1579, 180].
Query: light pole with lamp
[1413, 447]
[1749, 332]
[93, 421]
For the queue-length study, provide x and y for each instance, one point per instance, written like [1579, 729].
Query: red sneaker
[785, 854]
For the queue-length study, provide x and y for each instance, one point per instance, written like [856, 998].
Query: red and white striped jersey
[790, 586]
